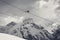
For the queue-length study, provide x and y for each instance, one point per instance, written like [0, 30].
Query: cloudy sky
[13, 10]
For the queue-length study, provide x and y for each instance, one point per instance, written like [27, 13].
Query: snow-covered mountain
[27, 30]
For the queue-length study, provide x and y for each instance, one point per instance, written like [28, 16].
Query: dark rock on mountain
[32, 31]
[56, 34]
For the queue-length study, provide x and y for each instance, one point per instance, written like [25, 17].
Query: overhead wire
[25, 11]
[11, 5]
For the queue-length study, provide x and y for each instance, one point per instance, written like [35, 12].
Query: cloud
[8, 19]
[17, 7]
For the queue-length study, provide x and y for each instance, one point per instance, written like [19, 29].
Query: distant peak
[11, 24]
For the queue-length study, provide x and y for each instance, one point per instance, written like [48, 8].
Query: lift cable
[26, 11]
